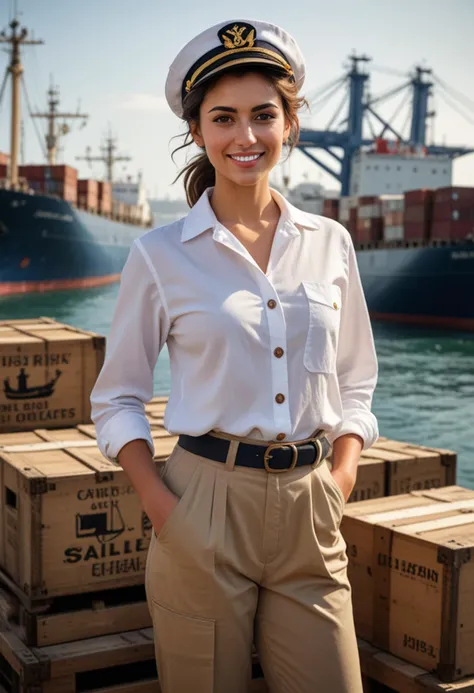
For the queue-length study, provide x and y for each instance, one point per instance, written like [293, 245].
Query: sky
[110, 59]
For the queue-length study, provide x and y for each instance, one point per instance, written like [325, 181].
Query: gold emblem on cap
[238, 40]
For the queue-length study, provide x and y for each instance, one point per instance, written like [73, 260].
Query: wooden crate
[122, 663]
[411, 567]
[391, 467]
[48, 371]
[74, 617]
[384, 673]
[70, 519]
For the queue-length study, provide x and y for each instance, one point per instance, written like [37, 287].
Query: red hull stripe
[426, 320]
[10, 288]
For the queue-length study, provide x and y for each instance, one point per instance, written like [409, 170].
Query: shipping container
[415, 231]
[88, 185]
[87, 194]
[452, 230]
[393, 233]
[331, 209]
[422, 195]
[105, 206]
[392, 203]
[55, 172]
[104, 190]
[454, 194]
[369, 230]
[456, 211]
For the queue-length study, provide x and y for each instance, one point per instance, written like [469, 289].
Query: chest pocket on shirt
[324, 305]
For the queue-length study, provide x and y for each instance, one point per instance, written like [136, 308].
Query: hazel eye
[222, 119]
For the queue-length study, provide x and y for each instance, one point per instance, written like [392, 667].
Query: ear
[286, 132]
[196, 133]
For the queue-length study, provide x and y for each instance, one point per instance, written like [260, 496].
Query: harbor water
[425, 391]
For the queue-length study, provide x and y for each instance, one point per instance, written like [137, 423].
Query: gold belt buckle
[319, 447]
[267, 456]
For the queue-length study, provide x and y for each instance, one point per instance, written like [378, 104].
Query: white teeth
[245, 158]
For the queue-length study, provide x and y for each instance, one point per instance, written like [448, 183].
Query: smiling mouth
[248, 157]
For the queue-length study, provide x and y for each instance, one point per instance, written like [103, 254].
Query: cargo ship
[414, 249]
[57, 231]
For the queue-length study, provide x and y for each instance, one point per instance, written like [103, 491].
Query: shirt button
[281, 436]
[278, 352]
[279, 399]
[335, 305]
[271, 303]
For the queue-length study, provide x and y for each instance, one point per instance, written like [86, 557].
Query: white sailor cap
[228, 44]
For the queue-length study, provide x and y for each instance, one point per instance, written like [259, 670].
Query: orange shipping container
[105, 206]
[105, 190]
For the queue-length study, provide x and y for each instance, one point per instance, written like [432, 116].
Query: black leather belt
[275, 457]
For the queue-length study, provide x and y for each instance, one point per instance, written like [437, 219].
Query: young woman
[272, 363]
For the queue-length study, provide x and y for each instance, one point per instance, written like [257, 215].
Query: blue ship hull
[46, 244]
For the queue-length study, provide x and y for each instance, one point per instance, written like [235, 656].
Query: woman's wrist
[345, 461]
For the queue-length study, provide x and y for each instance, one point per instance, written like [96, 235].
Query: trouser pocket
[184, 649]
[178, 476]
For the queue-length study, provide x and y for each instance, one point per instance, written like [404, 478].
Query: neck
[246, 205]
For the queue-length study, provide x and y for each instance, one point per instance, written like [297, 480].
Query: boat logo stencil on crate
[105, 525]
[25, 392]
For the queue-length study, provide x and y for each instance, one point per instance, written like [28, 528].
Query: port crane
[342, 142]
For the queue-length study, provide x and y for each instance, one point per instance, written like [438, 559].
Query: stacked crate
[74, 537]
[411, 568]
[453, 214]
[59, 180]
[88, 194]
[48, 371]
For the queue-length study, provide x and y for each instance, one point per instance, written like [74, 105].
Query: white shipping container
[348, 202]
[393, 233]
[392, 203]
[369, 211]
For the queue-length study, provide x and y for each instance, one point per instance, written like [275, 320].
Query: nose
[244, 135]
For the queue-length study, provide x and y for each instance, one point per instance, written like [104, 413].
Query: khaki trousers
[247, 556]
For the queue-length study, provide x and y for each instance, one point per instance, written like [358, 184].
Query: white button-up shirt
[254, 354]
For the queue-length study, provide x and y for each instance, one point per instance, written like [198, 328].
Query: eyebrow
[228, 109]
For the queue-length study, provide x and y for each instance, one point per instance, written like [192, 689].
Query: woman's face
[242, 126]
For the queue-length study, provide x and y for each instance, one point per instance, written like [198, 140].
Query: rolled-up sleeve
[139, 329]
[357, 366]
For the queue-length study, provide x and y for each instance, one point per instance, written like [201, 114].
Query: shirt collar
[202, 218]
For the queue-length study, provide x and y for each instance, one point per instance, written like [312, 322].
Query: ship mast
[17, 37]
[108, 157]
[51, 115]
